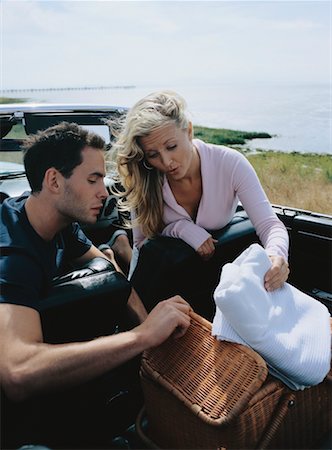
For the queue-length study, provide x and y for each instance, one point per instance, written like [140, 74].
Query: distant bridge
[83, 88]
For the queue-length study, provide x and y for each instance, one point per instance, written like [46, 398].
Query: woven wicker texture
[214, 379]
[201, 393]
[309, 417]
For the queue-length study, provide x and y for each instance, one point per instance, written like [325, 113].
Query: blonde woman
[179, 186]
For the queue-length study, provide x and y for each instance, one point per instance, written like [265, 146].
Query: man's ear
[52, 180]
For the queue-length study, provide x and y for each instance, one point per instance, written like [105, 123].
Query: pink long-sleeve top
[227, 178]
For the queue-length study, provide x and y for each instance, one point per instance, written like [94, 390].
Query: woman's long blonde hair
[143, 187]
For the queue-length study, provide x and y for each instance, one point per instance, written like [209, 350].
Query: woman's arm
[188, 231]
[138, 237]
[270, 230]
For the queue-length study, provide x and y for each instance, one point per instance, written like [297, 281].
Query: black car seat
[82, 305]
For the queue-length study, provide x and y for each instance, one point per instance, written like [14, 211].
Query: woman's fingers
[278, 273]
[207, 249]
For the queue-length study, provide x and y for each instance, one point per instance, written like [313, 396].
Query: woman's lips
[171, 172]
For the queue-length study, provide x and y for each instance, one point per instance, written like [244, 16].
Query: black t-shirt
[27, 262]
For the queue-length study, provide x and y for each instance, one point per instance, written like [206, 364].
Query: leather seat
[83, 304]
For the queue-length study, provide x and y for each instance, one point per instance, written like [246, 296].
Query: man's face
[83, 193]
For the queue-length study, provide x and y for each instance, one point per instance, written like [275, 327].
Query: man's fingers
[181, 329]
[177, 299]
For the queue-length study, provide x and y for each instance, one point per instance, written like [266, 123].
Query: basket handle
[286, 401]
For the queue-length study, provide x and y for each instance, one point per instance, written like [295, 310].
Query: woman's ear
[51, 179]
[190, 130]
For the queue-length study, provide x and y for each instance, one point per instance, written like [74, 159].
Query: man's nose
[103, 192]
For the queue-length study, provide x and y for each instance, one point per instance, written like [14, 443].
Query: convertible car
[91, 301]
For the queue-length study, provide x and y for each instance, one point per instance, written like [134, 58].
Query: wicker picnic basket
[201, 393]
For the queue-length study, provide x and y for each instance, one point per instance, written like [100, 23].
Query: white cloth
[289, 329]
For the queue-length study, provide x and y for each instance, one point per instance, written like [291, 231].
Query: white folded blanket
[289, 329]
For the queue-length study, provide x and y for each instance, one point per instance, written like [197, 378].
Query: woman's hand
[207, 249]
[277, 275]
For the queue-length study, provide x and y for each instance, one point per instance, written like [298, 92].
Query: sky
[49, 44]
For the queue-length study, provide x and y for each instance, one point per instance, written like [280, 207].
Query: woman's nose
[167, 160]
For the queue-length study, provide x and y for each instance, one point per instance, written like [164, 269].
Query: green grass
[222, 136]
[17, 132]
[301, 180]
[7, 100]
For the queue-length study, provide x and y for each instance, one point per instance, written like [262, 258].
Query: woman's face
[169, 149]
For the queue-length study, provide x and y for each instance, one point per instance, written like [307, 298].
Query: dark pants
[87, 416]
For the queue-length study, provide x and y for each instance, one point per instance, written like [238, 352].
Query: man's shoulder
[15, 204]
[12, 221]
[22, 278]
[11, 210]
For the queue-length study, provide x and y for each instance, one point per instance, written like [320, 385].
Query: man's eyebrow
[97, 174]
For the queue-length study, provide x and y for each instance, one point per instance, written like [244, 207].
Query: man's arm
[94, 252]
[29, 366]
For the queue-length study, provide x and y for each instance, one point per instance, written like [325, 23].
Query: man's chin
[88, 221]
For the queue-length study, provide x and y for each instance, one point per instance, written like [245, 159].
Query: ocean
[298, 117]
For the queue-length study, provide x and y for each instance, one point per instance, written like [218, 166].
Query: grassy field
[289, 179]
[7, 100]
[293, 179]
[222, 136]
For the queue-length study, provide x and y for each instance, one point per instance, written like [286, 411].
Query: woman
[179, 186]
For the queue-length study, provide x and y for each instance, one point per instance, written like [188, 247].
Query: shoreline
[239, 140]
[300, 180]
[220, 136]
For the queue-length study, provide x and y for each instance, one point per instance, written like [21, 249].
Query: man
[65, 168]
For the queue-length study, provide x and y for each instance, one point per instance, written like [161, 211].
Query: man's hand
[169, 317]
[277, 275]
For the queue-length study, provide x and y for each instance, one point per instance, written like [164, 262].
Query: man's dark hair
[60, 147]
